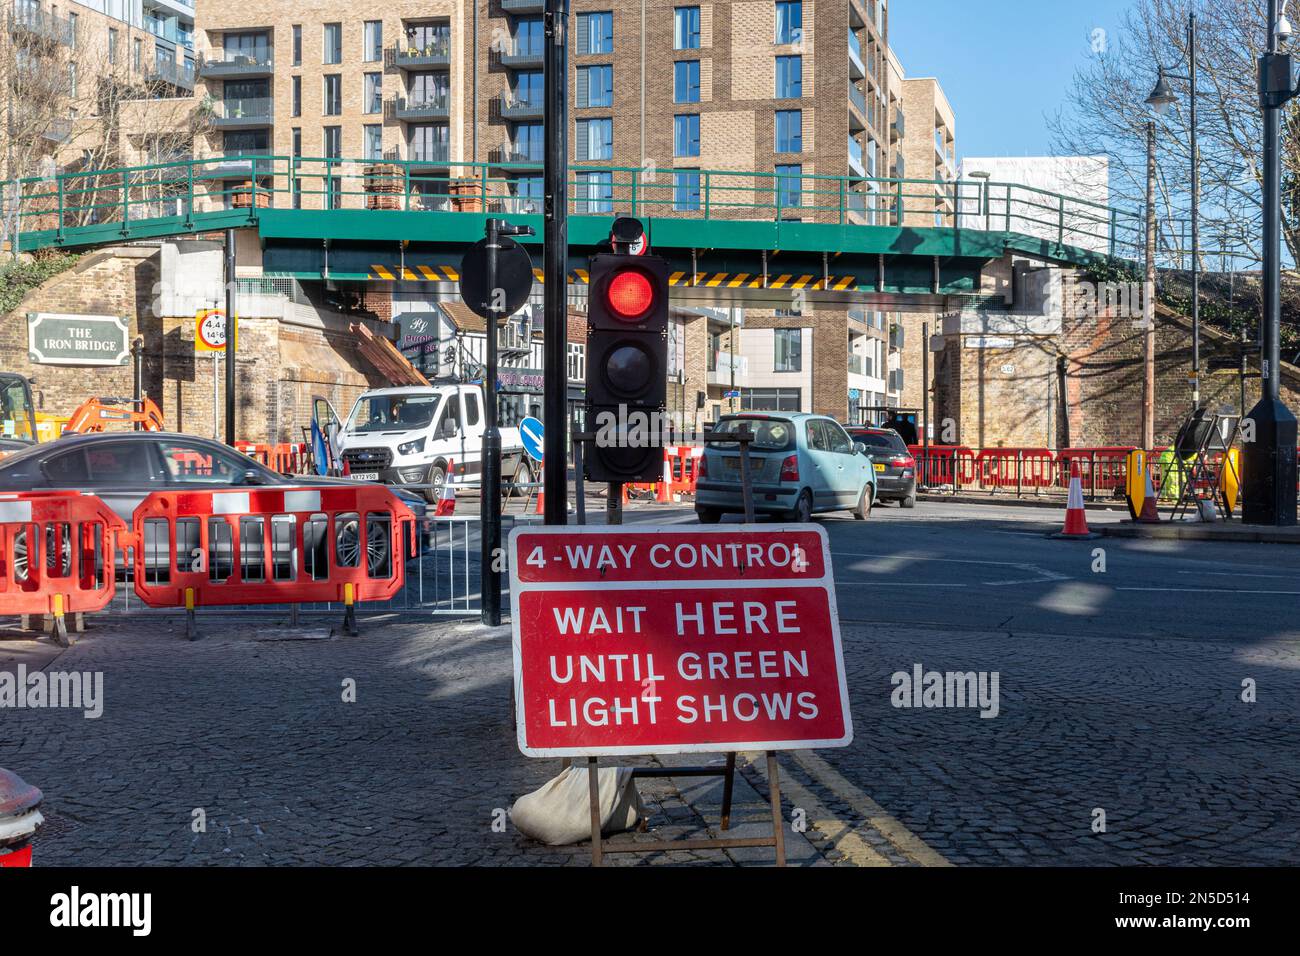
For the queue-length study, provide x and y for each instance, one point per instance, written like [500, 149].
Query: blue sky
[1004, 64]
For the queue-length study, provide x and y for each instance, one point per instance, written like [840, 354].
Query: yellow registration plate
[879, 467]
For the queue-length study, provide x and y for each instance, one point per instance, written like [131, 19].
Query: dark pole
[1269, 460]
[555, 466]
[231, 332]
[924, 480]
[490, 489]
[1149, 300]
[1196, 223]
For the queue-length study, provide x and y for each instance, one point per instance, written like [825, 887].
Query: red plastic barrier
[946, 465]
[1014, 468]
[57, 554]
[1101, 469]
[681, 466]
[272, 546]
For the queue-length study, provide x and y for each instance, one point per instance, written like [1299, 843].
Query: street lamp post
[1161, 98]
[1269, 457]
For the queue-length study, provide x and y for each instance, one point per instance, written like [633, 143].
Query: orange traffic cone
[1076, 521]
[1149, 513]
[541, 502]
[447, 499]
[665, 495]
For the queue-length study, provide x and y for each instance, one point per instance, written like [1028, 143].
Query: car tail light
[905, 461]
[790, 469]
[703, 470]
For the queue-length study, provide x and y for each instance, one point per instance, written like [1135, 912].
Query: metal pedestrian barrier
[276, 546]
[57, 555]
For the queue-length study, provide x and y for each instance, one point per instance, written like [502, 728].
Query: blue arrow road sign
[530, 430]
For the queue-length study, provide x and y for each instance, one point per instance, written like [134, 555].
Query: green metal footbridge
[750, 236]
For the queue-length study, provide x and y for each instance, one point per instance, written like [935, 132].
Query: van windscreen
[386, 413]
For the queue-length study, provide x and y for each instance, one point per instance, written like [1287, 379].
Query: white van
[409, 435]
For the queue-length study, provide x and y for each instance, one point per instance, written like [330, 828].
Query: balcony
[179, 75]
[722, 367]
[422, 107]
[522, 56]
[898, 128]
[435, 54]
[236, 66]
[59, 130]
[428, 154]
[855, 158]
[858, 365]
[243, 113]
[523, 6]
[858, 115]
[857, 71]
[35, 23]
[511, 153]
[515, 108]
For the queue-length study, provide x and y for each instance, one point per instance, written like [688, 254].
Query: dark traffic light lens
[630, 294]
[629, 369]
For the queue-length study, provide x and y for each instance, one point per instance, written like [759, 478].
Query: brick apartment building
[659, 91]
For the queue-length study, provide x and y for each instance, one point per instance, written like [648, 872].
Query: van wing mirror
[449, 428]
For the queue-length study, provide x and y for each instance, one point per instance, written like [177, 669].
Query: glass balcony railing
[855, 157]
[243, 111]
[219, 63]
[434, 52]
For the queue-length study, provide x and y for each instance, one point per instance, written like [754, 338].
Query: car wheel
[377, 547]
[863, 510]
[803, 508]
[708, 515]
[909, 501]
[20, 553]
[437, 475]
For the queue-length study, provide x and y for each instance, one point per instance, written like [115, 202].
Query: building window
[72, 80]
[789, 131]
[427, 143]
[529, 142]
[789, 21]
[333, 51]
[596, 32]
[686, 134]
[595, 192]
[686, 81]
[595, 139]
[72, 30]
[333, 142]
[789, 180]
[112, 45]
[333, 101]
[789, 77]
[296, 88]
[529, 37]
[787, 350]
[372, 100]
[771, 399]
[297, 141]
[686, 28]
[372, 140]
[596, 85]
[373, 41]
[577, 362]
[686, 190]
[297, 44]
[137, 54]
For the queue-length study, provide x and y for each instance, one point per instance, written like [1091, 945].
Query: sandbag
[559, 812]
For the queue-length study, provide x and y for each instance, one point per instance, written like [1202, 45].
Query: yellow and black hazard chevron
[704, 280]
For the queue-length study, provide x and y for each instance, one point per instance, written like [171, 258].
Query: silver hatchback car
[800, 464]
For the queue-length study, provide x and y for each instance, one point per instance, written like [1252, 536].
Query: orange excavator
[94, 414]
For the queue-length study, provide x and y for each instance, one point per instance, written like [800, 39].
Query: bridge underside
[717, 262]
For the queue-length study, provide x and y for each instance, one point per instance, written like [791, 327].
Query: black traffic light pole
[1269, 461]
[231, 332]
[490, 489]
[555, 465]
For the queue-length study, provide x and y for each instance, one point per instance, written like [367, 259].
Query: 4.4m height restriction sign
[675, 640]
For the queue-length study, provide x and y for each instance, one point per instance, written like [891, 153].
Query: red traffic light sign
[675, 640]
[630, 293]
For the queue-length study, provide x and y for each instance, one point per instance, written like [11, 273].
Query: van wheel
[708, 515]
[523, 476]
[863, 511]
[437, 475]
[802, 512]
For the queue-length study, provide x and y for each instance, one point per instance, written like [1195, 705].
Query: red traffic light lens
[630, 294]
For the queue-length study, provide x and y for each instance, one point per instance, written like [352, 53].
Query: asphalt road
[1120, 690]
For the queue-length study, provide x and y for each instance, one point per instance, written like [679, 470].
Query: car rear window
[880, 440]
[770, 434]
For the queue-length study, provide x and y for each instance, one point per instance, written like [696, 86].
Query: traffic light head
[627, 363]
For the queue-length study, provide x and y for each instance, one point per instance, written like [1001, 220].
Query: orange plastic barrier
[681, 471]
[1100, 469]
[57, 554]
[1019, 468]
[946, 465]
[271, 546]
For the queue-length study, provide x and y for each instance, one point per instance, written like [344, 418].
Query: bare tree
[76, 104]
[1107, 114]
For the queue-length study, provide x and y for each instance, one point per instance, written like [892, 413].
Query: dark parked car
[895, 465]
[125, 467]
